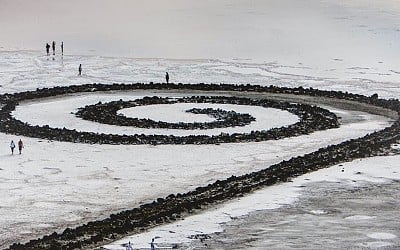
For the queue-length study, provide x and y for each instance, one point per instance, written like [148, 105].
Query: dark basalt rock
[175, 206]
[107, 113]
[312, 118]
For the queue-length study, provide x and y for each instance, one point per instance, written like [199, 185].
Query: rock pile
[174, 206]
[107, 113]
[312, 118]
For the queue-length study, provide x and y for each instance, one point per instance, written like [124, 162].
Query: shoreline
[338, 213]
[234, 181]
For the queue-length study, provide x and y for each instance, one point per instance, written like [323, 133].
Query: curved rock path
[176, 205]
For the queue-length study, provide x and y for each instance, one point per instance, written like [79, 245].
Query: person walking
[12, 146]
[62, 48]
[152, 244]
[129, 246]
[54, 48]
[166, 77]
[80, 69]
[48, 49]
[20, 146]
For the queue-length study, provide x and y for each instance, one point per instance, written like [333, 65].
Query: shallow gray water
[287, 31]
[329, 216]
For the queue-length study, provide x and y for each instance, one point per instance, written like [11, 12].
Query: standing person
[12, 146]
[80, 69]
[48, 49]
[20, 146]
[129, 246]
[54, 48]
[166, 77]
[62, 48]
[152, 244]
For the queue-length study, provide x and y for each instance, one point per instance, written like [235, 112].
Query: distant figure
[129, 246]
[12, 146]
[80, 69]
[152, 240]
[54, 48]
[62, 48]
[20, 146]
[166, 77]
[48, 49]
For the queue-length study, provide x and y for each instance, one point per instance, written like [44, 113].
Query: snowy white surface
[271, 198]
[60, 113]
[349, 46]
[65, 184]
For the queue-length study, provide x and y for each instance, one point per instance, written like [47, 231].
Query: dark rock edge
[312, 118]
[174, 206]
[106, 113]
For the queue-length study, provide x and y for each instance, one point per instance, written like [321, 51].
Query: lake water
[292, 32]
[348, 45]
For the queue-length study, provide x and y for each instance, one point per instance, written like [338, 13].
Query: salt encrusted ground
[59, 113]
[347, 46]
[53, 185]
[348, 206]
[343, 214]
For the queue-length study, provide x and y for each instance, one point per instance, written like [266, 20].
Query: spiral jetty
[176, 206]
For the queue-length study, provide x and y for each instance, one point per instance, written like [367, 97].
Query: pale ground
[57, 113]
[64, 184]
[349, 46]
